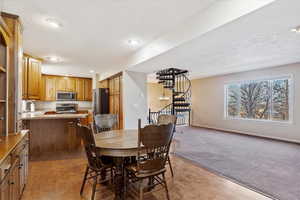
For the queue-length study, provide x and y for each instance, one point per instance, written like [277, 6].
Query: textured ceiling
[94, 32]
[259, 40]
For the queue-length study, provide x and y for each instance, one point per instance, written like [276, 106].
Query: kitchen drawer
[19, 148]
[5, 167]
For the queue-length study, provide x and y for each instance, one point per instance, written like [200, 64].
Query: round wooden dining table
[119, 144]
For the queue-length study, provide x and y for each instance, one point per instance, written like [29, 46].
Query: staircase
[177, 81]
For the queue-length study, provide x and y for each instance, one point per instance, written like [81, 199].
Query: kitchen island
[53, 133]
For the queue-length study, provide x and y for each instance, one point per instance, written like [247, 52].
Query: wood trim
[5, 28]
[5, 32]
[67, 76]
[247, 134]
[112, 76]
[14, 17]
[34, 57]
[2, 69]
[9, 15]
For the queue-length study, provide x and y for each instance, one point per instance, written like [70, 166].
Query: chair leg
[170, 165]
[111, 176]
[84, 179]
[141, 193]
[166, 186]
[94, 188]
[125, 184]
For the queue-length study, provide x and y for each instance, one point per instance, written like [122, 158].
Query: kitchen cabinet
[65, 84]
[15, 181]
[88, 90]
[23, 168]
[49, 88]
[25, 77]
[103, 84]
[70, 84]
[51, 84]
[4, 77]
[114, 84]
[14, 171]
[61, 84]
[4, 189]
[31, 78]
[80, 89]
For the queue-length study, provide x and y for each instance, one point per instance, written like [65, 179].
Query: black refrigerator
[101, 101]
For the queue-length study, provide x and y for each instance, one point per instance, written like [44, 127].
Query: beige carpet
[267, 166]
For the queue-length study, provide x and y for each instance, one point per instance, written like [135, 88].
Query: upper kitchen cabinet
[31, 78]
[88, 96]
[48, 88]
[52, 84]
[25, 77]
[80, 89]
[65, 84]
[70, 84]
[61, 83]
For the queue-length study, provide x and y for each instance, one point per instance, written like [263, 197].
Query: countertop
[8, 143]
[41, 115]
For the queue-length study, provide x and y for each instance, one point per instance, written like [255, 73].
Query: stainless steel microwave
[65, 96]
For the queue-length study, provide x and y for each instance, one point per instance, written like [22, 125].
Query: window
[267, 99]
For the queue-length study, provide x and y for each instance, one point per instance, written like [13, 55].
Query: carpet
[266, 166]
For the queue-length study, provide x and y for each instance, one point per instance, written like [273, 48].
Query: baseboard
[246, 133]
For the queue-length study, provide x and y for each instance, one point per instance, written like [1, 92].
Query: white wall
[208, 104]
[134, 99]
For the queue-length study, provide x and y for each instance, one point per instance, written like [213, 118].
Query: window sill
[258, 120]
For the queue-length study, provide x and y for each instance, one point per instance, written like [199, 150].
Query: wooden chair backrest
[105, 122]
[153, 147]
[91, 151]
[166, 119]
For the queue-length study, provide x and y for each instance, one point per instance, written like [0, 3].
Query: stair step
[182, 110]
[170, 72]
[179, 99]
[181, 104]
[181, 72]
[178, 93]
[165, 79]
[169, 86]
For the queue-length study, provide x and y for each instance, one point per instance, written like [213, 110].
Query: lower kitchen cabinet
[14, 171]
[5, 188]
[15, 181]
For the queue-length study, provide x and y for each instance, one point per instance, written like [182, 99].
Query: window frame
[290, 78]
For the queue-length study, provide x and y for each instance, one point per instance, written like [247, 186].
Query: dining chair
[96, 163]
[166, 119]
[105, 122]
[153, 149]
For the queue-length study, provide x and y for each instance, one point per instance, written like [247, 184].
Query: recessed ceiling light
[53, 59]
[53, 23]
[92, 71]
[296, 30]
[133, 42]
